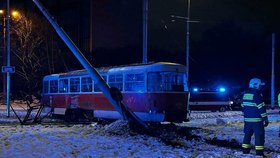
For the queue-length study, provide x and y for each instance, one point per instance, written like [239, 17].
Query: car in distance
[210, 100]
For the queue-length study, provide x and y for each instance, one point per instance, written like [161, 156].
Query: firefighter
[279, 111]
[279, 101]
[255, 117]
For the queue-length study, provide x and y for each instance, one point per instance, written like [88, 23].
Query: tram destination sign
[10, 69]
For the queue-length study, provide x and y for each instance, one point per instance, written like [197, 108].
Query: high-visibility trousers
[256, 128]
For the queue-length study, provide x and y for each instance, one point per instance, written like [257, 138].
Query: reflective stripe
[248, 96]
[259, 147]
[246, 146]
[252, 119]
[248, 104]
[264, 114]
[261, 105]
[279, 99]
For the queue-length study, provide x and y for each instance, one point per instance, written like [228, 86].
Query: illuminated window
[86, 84]
[134, 82]
[75, 85]
[116, 81]
[63, 86]
[53, 86]
[166, 81]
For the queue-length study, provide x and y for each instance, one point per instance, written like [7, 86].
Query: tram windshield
[167, 81]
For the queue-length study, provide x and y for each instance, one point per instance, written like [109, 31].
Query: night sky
[231, 43]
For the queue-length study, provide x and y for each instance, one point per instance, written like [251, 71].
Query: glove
[265, 123]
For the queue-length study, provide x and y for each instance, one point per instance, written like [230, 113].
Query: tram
[155, 92]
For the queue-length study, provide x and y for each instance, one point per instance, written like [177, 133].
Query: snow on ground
[212, 135]
[229, 126]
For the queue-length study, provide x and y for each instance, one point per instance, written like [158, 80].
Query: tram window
[154, 82]
[96, 88]
[63, 85]
[134, 82]
[116, 81]
[75, 85]
[53, 86]
[86, 84]
[166, 81]
[45, 86]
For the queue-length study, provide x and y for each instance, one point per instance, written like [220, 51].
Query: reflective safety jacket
[279, 99]
[253, 107]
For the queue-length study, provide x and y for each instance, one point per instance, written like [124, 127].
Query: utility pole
[145, 30]
[188, 21]
[272, 72]
[188, 41]
[91, 31]
[8, 57]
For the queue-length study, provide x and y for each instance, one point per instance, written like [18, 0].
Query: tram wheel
[222, 109]
[70, 115]
[88, 115]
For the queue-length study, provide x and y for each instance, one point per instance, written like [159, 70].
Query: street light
[15, 13]
[6, 68]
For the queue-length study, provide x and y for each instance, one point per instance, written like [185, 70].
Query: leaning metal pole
[96, 77]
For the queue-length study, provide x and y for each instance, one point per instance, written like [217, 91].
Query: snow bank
[199, 138]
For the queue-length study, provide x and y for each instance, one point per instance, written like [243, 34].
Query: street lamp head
[15, 14]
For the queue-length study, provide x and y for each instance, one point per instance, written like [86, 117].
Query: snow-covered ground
[206, 135]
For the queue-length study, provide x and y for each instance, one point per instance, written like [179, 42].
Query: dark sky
[231, 43]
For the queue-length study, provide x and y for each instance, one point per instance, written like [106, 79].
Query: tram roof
[139, 67]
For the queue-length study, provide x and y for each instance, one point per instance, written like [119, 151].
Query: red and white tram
[155, 92]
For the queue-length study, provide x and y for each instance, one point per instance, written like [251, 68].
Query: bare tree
[29, 41]
[34, 50]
